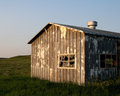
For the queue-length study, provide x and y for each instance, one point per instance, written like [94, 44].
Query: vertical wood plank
[75, 52]
[45, 63]
[48, 54]
[35, 59]
[53, 52]
[43, 45]
[61, 52]
[40, 58]
[72, 46]
[55, 30]
[68, 51]
[65, 52]
[78, 56]
[71, 51]
[82, 58]
[58, 51]
[31, 60]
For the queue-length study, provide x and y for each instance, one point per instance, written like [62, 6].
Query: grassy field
[15, 81]
[15, 66]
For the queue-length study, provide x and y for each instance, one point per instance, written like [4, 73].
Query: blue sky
[20, 20]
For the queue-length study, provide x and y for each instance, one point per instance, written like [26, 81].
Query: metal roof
[87, 31]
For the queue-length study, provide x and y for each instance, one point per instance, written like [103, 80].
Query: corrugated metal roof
[88, 31]
[94, 31]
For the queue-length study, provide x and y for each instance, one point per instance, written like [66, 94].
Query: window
[108, 61]
[67, 61]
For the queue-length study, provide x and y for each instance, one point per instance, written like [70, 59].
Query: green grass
[15, 66]
[15, 81]
[25, 86]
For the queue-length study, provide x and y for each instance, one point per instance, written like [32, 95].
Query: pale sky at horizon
[20, 20]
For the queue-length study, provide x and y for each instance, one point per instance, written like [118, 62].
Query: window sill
[65, 68]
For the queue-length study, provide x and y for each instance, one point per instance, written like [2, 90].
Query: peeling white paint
[42, 53]
[41, 42]
[63, 31]
[103, 52]
[95, 44]
[58, 52]
[51, 71]
[89, 46]
[82, 68]
[82, 41]
[97, 61]
[53, 32]
[67, 49]
[42, 66]
[38, 54]
[86, 38]
[38, 46]
[37, 64]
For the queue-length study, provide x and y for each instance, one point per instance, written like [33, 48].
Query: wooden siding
[46, 48]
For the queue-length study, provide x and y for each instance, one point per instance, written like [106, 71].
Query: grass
[25, 86]
[15, 81]
[15, 66]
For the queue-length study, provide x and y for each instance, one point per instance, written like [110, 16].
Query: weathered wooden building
[65, 53]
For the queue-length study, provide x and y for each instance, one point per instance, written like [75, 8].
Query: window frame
[105, 63]
[66, 67]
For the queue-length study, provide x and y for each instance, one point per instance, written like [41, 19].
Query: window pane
[72, 64]
[61, 64]
[102, 57]
[114, 57]
[72, 57]
[108, 56]
[115, 64]
[65, 64]
[67, 60]
[108, 66]
[63, 58]
[60, 58]
[102, 64]
[108, 61]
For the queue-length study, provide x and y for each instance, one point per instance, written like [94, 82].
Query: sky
[20, 20]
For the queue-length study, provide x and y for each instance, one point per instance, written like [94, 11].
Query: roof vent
[92, 24]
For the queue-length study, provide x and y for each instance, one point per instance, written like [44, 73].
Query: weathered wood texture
[46, 49]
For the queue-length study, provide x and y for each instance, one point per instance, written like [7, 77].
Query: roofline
[97, 35]
[79, 30]
[40, 32]
[49, 24]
